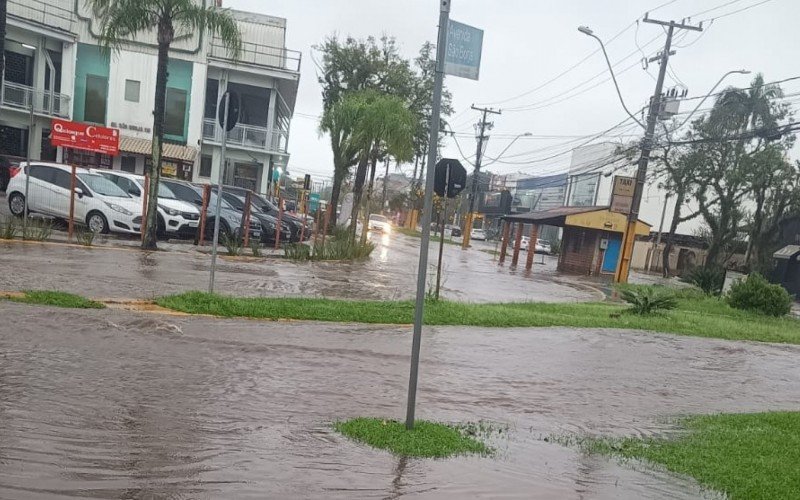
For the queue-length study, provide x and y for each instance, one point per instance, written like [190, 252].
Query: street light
[710, 92]
[588, 32]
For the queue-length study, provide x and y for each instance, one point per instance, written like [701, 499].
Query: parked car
[478, 235]
[175, 217]
[543, 246]
[378, 222]
[524, 243]
[455, 231]
[99, 203]
[268, 222]
[266, 206]
[230, 219]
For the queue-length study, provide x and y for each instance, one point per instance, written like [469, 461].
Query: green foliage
[708, 278]
[297, 251]
[232, 243]
[57, 299]
[757, 294]
[648, 299]
[751, 456]
[86, 237]
[696, 314]
[425, 440]
[255, 247]
[9, 228]
[37, 229]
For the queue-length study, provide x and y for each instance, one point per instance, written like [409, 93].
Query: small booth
[787, 268]
[591, 242]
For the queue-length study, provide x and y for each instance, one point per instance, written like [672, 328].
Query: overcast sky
[528, 43]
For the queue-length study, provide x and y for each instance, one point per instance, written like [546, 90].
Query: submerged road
[116, 404]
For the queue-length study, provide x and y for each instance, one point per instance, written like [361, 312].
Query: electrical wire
[762, 2]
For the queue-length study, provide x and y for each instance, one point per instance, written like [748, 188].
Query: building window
[175, 112]
[132, 90]
[95, 104]
[205, 166]
[212, 91]
[128, 164]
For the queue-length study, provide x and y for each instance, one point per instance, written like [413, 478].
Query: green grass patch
[416, 234]
[426, 440]
[747, 456]
[57, 299]
[695, 315]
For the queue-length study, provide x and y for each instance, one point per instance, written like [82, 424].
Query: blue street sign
[313, 202]
[464, 45]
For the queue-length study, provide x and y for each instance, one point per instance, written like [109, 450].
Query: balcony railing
[44, 102]
[249, 136]
[259, 55]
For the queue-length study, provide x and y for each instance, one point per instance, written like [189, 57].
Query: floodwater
[390, 274]
[116, 404]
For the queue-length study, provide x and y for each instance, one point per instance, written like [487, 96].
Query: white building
[70, 76]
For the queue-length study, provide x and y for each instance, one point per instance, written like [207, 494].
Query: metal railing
[53, 13]
[250, 136]
[259, 55]
[44, 102]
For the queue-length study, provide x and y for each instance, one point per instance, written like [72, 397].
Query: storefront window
[175, 118]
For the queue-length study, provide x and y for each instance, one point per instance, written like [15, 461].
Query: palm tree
[124, 20]
[384, 126]
[338, 121]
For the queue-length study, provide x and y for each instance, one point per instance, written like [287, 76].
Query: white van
[175, 217]
[99, 203]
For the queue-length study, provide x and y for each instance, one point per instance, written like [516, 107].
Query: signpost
[622, 194]
[460, 59]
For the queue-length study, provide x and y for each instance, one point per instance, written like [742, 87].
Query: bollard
[244, 231]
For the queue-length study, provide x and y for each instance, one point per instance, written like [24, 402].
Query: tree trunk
[358, 190]
[151, 218]
[365, 230]
[755, 232]
[338, 179]
[673, 226]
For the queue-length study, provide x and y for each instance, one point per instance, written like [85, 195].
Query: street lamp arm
[711, 92]
[495, 159]
[588, 32]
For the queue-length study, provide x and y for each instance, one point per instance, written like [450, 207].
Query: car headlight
[170, 211]
[118, 208]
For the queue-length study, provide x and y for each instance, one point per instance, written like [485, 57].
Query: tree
[122, 20]
[338, 122]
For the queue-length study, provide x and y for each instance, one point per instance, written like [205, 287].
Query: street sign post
[463, 56]
[622, 194]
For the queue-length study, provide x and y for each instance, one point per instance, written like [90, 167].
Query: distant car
[99, 203]
[380, 223]
[455, 231]
[175, 217]
[543, 246]
[524, 243]
[230, 219]
[478, 235]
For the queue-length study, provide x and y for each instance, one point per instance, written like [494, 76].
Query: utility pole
[482, 126]
[628, 238]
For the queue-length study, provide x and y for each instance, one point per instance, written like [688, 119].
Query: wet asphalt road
[116, 404]
[390, 273]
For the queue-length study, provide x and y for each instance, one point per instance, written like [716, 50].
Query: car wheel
[16, 203]
[97, 223]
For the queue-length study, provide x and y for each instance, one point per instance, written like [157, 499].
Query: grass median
[416, 234]
[695, 315]
[57, 299]
[753, 456]
[425, 440]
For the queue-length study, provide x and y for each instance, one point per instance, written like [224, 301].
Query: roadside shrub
[233, 244]
[9, 229]
[86, 237]
[709, 279]
[255, 247]
[297, 251]
[37, 229]
[648, 299]
[757, 294]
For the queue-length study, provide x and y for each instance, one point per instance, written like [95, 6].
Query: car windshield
[378, 218]
[212, 203]
[102, 186]
[263, 203]
[165, 192]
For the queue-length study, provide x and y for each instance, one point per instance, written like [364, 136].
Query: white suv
[378, 222]
[174, 216]
[99, 203]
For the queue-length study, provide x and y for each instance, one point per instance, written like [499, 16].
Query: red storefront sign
[84, 136]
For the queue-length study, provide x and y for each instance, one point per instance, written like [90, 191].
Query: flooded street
[114, 404]
[389, 274]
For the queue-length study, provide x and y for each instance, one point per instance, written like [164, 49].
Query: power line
[762, 2]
